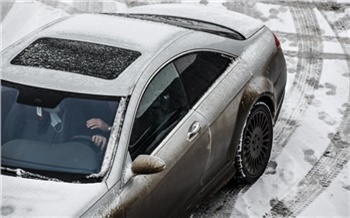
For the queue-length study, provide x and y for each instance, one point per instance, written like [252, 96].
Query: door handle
[193, 131]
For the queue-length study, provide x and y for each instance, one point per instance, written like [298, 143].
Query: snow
[316, 122]
[335, 201]
[335, 17]
[105, 6]
[247, 26]
[332, 47]
[33, 15]
[142, 37]
[326, 30]
[39, 197]
[278, 18]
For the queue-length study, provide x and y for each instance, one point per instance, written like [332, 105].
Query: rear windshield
[102, 61]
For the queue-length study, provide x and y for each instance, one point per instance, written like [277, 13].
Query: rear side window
[162, 106]
[102, 61]
[198, 71]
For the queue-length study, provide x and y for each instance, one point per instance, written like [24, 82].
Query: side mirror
[145, 164]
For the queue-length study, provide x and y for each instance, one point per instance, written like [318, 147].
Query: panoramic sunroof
[188, 24]
[102, 61]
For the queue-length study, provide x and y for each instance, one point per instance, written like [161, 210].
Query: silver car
[137, 114]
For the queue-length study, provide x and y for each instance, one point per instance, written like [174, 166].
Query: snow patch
[332, 47]
[335, 201]
[33, 15]
[278, 18]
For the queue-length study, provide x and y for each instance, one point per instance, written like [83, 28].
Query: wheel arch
[257, 90]
[268, 100]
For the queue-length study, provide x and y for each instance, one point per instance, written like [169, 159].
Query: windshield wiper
[55, 176]
[24, 174]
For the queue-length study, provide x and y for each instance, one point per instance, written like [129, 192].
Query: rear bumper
[280, 81]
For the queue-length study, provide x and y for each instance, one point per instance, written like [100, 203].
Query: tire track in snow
[319, 4]
[317, 55]
[306, 80]
[320, 176]
[336, 156]
[292, 36]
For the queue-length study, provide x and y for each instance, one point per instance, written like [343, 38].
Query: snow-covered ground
[309, 173]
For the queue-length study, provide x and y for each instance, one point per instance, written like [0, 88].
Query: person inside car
[99, 124]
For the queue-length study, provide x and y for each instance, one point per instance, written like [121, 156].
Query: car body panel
[185, 163]
[33, 197]
[108, 204]
[222, 116]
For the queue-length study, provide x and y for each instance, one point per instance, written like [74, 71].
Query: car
[142, 113]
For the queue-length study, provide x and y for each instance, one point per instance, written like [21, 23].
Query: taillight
[278, 44]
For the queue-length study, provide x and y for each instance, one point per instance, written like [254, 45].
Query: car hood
[31, 197]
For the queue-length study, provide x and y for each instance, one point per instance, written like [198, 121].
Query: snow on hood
[31, 197]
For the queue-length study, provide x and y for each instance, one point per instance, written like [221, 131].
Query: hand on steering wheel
[94, 142]
[100, 141]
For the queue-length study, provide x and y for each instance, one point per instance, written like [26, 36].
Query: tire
[253, 152]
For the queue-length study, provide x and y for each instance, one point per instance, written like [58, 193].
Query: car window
[198, 71]
[162, 106]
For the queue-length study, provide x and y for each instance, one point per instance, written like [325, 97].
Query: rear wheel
[255, 144]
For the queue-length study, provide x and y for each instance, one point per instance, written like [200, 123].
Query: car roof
[147, 37]
[118, 31]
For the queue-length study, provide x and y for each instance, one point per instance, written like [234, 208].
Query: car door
[211, 88]
[166, 127]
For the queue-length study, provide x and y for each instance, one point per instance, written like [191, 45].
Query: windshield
[54, 134]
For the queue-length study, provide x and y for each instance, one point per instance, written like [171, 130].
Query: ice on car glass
[102, 61]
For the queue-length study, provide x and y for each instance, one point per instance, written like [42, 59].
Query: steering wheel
[86, 140]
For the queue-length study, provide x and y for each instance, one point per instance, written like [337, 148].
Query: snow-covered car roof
[113, 30]
[147, 38]
[142, 36]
